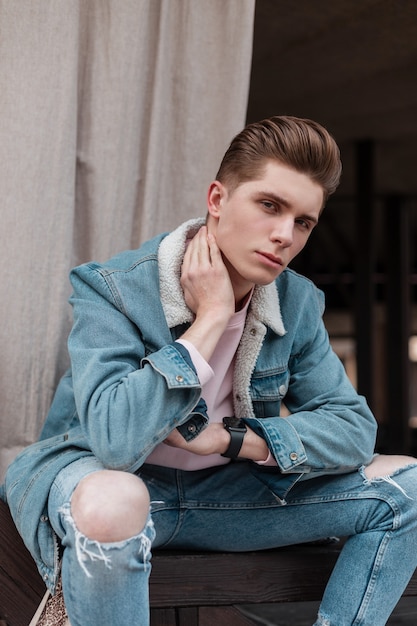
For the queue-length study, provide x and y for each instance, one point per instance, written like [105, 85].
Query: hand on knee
[110, 506]
[387, 464]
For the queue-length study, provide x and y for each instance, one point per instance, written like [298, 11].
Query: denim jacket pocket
[267, 392]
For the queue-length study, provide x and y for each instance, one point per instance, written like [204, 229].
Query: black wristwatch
[236, 428]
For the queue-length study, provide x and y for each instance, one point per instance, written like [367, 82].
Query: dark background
[353, 67]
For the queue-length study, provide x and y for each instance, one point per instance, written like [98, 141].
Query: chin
[263, 281]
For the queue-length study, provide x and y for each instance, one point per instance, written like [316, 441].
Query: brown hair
[299, 143]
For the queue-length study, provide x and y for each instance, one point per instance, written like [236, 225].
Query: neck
[240, 303]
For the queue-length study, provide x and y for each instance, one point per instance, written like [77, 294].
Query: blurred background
[353, 67]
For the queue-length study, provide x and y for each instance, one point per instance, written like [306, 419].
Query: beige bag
[51, 611]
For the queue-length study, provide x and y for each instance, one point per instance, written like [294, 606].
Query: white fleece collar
[265, 300]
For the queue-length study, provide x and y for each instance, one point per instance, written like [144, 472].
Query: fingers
[198, 249]
[197, 258]
[203, 248]
[214, 250]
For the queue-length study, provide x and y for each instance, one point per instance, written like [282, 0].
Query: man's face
[263, 224]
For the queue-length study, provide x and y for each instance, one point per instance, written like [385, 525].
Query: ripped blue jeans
[230, 508]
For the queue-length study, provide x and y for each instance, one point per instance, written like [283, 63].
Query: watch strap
[236, 429]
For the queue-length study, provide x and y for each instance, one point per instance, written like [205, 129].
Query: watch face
[233, 422]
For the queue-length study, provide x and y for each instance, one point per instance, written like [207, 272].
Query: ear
[215, 196]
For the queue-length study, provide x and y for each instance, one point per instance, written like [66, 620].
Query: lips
[271, 259]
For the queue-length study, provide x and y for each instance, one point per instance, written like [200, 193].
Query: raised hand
[204, 277]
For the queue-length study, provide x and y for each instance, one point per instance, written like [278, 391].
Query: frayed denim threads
[89, 549]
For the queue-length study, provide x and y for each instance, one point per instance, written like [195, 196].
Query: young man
[168, 342]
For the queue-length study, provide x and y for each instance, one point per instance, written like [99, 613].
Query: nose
[283, 231]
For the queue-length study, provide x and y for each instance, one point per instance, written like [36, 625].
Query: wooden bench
[186, 588]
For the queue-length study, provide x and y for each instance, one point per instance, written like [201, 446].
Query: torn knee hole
[90, 550]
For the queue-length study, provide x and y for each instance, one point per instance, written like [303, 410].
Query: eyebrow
[280, 200]
[274, 197]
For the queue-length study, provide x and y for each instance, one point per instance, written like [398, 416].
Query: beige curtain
[113, 117]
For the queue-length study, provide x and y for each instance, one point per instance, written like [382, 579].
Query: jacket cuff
[185, 354]
[196, 423]
[283, 441]
[174, 363]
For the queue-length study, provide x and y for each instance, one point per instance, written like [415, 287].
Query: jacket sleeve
[128, 397]
[330, 428]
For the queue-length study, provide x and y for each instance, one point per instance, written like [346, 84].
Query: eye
[305, 224]
[269, 206]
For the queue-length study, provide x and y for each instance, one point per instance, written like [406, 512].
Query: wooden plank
[21, 587]
[222, 616]
[293, 574]
[289, 574]
[188, 616]
[163, 617]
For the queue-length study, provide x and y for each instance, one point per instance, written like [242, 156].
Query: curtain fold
[114, 115]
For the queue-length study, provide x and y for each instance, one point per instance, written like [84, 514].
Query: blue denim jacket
[130, 384]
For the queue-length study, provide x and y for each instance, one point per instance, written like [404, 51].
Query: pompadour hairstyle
[301, 144]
